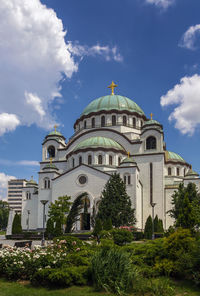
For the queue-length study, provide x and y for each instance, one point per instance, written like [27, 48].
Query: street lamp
[44, 202]
[28, 212]
[153, 205]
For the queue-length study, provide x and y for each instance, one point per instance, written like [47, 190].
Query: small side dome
[55, 134]
[99, 142]
[50, 166]
[128, 161]
[31, 183]
[192, 173]
[151, 122]
[174, 157]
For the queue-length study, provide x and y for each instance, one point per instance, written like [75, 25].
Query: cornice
[96, 149]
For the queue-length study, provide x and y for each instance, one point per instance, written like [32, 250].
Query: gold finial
[51, 160]
[128, 153]
[151, 115]
[55, 126]
[112, 87]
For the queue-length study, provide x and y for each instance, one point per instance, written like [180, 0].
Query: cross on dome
[112, 87]
[151, 116]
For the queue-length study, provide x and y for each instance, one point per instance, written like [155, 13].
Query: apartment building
[14, 197]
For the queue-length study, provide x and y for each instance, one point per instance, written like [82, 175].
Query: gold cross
[112, 86]
[51, 160]
[151, 115]
[128, 153]
[55, 126]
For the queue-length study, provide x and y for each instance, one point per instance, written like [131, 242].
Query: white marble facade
[111, 135]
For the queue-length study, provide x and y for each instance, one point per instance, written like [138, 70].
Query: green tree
[16, 225]
[58, 228]
[50, 228]
[107, 224]
[160, 226]
[59, 209]
[85, 215]
[186, 206]
[115, 203]
[4, 213]
[155, 222]
[74, 212]
[98, 227]
[148, 228]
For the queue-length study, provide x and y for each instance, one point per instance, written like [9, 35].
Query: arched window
[119, 161]
[178, 171]
[124, 179]
[86, 200]
[134, 122]
[80, 160]
[100, 160]
[141, 123]
[73, 162]
[28, 195]
[184, 172]
[46, 183]
[151, 143]
[127, 179]
[51, 151]
[89, 159]
[110, 160]
[113, 120]
[93, 122]
[85, 124]
[169, 171]
[103, 121]
[124, 120]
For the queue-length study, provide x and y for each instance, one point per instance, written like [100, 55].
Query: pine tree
[85, 215]
[107, 224]
[148, 228]
[97, 227]
[160, 226]
[116, 204]
[16, 226]
[156, 224]
[74, 212]
[50, 228]
[186, 206]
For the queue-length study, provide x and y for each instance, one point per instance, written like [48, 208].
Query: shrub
[107, 225]
[138, 235]
[58, 228]
[75, 275]
[104, 234]
[121, 236]
[148, 228]
[16, 226]
[71, 242]
[97, 227]
[112, 270]
[50, 229]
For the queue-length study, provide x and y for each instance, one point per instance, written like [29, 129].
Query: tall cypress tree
[148, 228]
[85, 215]
[115, 203]
[156, 224]
[160, 226]
[16, 226]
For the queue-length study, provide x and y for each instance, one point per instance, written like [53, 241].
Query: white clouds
[19, 163]
[161, 3]
[8, 122]
[3, 184]
[34, 58]
[189, 37]
[186, 95]
[109, 53]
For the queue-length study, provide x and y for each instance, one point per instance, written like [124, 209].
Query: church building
[111, 135]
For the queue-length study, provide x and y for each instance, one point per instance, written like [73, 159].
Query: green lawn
[23, 289]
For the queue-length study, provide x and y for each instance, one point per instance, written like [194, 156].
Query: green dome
[192, 173]
[55, 133]
[98, 142]
[172, 156]
[149, 122]
[50, 166]
[128, 160]
[31, 183]
[112, 102]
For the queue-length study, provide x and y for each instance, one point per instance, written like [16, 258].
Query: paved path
[10, 242]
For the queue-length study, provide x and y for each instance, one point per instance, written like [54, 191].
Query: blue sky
[150, 48]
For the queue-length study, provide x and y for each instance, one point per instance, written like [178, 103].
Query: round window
[82, 179]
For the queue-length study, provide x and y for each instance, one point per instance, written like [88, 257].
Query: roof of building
[172, 156]
[128, 160]
[31, 183]
[98, 142]
[55, 133]
[150, 122]
[50, 166]
[191, 173]
[112, 102]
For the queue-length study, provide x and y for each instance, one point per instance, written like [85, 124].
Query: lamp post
[44, 202]
[28, 212]
[153, 205]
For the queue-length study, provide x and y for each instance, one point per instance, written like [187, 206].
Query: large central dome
[112, 102]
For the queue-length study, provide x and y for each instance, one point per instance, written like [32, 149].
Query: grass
[23, 289]
[7, 288]
[2, 232]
